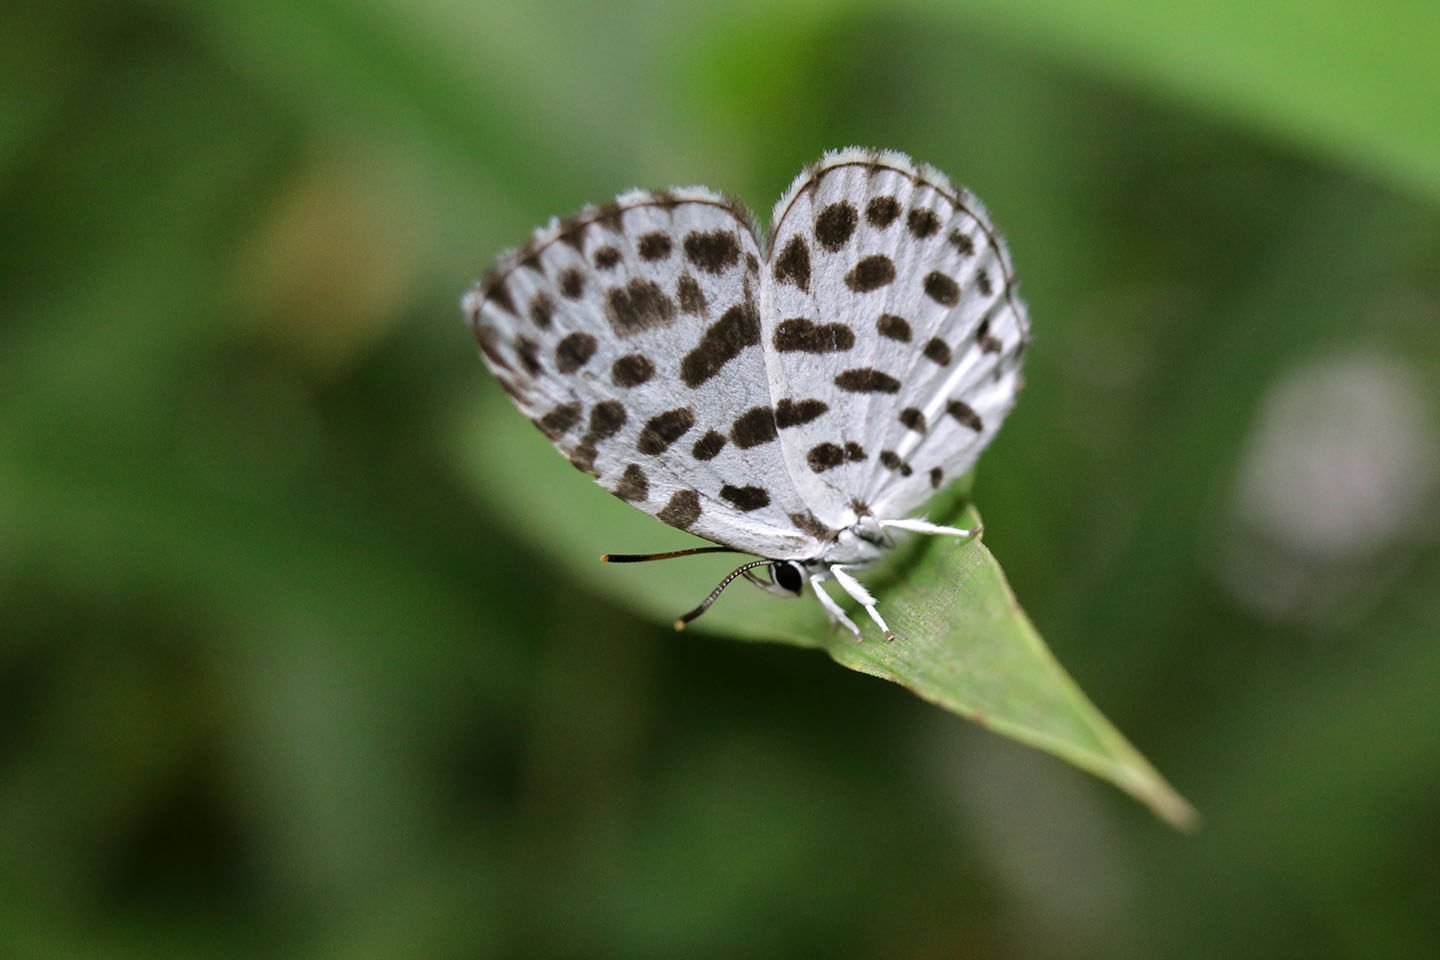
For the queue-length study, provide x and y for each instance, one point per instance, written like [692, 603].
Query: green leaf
[1353, 82]
[963, 642]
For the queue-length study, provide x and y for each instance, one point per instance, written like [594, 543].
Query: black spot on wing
[936, 477]
[605, 258]
[913, 418]
[746, 498]
[572, 283]
[882, 211]
[634, 486]
[708, 446]
[872, 273]
[713, 252]
[988, 343]
[654, 247]
[982, 282]
[528, 351]
[606, 420]
[632, 370]
[804, 336]
[753, 428]
[609, 216]
[893, 327]
[791, 413]
[966, 414]
[542, 309]
[682, 510]
[572, 233]
[574, 352]
[922, 223]
[824, 456]
[854, 452]
[496, 293]
[938, 350]
[867, 380]
[583, 457]
[835, 224]
[942, 289]
[807, 524]
[664, 429]
[639, 305]
[692, 298]
[891, 461]
[489, 339]
[737, 328]
[962, 243]
[559, 421]
[793, 264]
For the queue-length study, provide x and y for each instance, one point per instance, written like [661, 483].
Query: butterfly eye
[786, 574]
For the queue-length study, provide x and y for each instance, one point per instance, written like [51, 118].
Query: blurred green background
[280, 675]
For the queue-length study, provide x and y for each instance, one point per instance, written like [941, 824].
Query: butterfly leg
[832, 609]
[925, 526]
[857, 590]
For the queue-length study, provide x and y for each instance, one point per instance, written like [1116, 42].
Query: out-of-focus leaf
[1353, 81]
[964, 643]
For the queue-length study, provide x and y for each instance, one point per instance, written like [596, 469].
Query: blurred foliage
[279, 676]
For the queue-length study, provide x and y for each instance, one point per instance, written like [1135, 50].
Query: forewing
[629, 334]
[891, 293]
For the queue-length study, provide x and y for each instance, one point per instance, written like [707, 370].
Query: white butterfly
[795, 397]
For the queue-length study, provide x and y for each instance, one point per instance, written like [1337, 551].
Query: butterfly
[796, 395]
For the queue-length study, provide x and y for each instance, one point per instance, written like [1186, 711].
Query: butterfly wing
[890, 292]
[630, 334]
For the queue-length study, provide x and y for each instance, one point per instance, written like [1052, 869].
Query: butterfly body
[795, 396]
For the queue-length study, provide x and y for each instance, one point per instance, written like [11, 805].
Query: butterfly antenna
[643, 557]
[705, 605]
